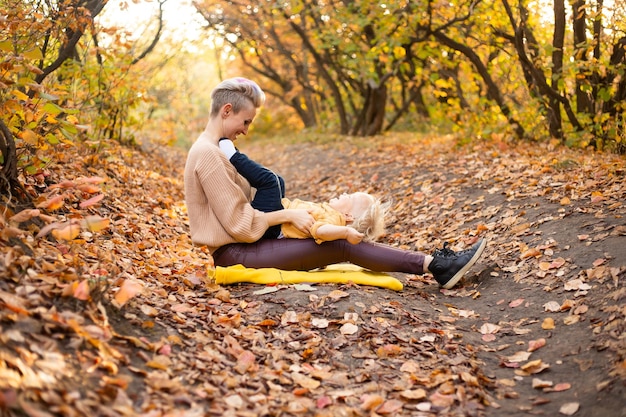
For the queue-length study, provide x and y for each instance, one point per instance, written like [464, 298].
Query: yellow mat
[337, 274]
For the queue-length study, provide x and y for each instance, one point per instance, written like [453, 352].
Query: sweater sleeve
[218, 200]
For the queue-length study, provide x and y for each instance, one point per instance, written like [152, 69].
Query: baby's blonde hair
[372, 221]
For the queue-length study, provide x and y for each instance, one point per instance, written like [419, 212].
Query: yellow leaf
[19, 95]
[29, 137]
[34, 54]
[128, 290]
[565, 201]
[548, 323]
[96, 223]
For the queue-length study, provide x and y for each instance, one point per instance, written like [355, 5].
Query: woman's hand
[301, 220]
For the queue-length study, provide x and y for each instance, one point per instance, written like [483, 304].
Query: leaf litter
[106, 307]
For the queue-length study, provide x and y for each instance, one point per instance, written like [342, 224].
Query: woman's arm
[301, 219]
[328, 232]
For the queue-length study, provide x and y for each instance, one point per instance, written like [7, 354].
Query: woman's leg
[305, 254]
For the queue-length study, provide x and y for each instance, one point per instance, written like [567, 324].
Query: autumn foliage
[106, 308]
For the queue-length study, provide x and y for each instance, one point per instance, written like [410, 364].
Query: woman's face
[236, 124]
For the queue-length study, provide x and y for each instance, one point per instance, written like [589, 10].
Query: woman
[222, 218]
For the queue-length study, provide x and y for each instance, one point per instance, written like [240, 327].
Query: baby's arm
[328, 232]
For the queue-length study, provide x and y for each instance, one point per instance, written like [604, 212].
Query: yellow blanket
[338, 274]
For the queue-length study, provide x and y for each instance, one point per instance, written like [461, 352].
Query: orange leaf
[533, 345]
[390, 407]
[371, 401]
[88, 188]
[68, 231]
[81, 290]
[531, 253]
[128, 290]
[91, 201]
[53, 203]
[96, 223]
[29, 137]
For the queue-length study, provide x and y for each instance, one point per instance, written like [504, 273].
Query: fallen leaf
[371, 401]
[416, 394]
[245, 362]
[128, 290]
[538, 383]
[24, 215]
[81, 291]
[548, 323]
[533, 345]
[337, 294]
[569, 409]
[96, 223]
[520, 356]
[516, 303]
[390, 407]
[53, 203]
[67, 231]
[489, 328]
[552, 306]
[305, 381]
[348, 328]
[534, 367]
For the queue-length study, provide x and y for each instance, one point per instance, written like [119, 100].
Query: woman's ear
[226, 110]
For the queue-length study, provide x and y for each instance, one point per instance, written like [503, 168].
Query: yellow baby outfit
[323, 214]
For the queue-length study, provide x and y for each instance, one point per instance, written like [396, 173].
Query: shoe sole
[457, 277]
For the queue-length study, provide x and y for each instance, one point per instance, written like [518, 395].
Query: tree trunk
[9, 183]
[583, 99]
[370, 122]
[558, 39]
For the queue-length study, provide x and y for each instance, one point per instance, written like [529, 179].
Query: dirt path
[552, 277]
[124, 322]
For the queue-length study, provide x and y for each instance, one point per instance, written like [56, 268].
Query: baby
[354, 217]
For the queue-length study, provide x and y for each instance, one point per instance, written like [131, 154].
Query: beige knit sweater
[218, 199]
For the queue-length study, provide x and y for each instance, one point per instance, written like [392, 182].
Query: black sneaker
[449, 266]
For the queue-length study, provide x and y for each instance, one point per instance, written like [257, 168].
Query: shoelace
[445, 252]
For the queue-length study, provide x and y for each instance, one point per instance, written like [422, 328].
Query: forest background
[85, 83]
[526, 70]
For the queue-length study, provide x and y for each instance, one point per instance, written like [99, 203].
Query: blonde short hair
[371, 222]
[239, 92]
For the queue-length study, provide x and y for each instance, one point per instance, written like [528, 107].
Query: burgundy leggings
[305, 254]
